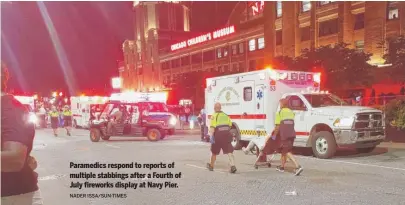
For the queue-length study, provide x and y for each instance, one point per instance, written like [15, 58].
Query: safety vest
[67, 113]
[54, 114]
[221, 121]
[286, 117]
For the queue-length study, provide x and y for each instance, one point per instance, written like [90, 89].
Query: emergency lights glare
[204, 38]
[116, 82]
[317, 77]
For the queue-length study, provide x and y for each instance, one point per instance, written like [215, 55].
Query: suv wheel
[95, 135]
[153, 135]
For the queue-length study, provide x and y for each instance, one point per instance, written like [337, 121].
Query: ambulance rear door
[245, 117]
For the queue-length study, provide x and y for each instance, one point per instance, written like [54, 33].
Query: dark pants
[223, 141]
[203, 132]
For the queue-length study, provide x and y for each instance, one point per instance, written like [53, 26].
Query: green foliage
[395, 113]
[343, 67]
[395, 55]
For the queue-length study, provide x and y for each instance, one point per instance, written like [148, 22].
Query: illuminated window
[241, 48]
[260, 43]
[392, 10]
[306, 6]
[225, 51]
[321, 3]
[279, 9]
[252, 44]
[219, 52]
[359, 45]
[234, 49]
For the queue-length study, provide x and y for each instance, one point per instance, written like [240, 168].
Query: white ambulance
[83, 107]
[323, 121]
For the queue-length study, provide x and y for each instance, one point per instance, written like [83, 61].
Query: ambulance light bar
[311, 91]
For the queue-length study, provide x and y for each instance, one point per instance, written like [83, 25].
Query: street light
[54, 94]
[60, 94]
[116, 82]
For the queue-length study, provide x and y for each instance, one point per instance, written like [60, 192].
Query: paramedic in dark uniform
[67, 119]
[54, 115]
[284, 128]
[220, 137]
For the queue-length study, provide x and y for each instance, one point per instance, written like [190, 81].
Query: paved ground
[376, 178]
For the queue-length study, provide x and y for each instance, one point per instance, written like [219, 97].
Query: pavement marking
[199, 167]
[109, 145]
[355, 163]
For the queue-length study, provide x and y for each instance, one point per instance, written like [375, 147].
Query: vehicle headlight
[33, 119]
[172, 121]
[344, 122]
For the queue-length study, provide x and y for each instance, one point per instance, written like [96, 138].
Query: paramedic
[67, 119]
[220, 137]
[284, 122]
[54, 114]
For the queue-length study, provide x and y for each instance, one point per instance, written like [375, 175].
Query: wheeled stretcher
[266, 155]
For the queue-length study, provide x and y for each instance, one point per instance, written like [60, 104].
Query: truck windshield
[322, 100]
[155, 106]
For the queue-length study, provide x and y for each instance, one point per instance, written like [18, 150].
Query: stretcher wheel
[269, 164]
[256, 167]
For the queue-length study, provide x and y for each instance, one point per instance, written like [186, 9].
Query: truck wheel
[153, 135]
[365, 149]
[171, 132]
[106, 138]
[95, 135]
[236, 143]
[323, 145]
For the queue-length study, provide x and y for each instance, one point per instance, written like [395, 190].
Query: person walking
[54, 115]
[284, 128]
[221, 138]
[202, 118]
[19, 181]
[67, 119]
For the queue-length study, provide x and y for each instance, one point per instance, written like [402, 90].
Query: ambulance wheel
[323, 145]
[95, 135]
[236, 142]
[153, 135]
[105, 137]
[74, 124]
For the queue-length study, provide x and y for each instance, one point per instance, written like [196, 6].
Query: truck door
[259, 107]
[298, 106]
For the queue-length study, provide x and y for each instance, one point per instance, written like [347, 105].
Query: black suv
[140, 119]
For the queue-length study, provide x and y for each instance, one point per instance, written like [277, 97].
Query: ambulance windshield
[323, 100]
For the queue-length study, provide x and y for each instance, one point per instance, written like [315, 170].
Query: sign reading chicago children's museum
[204, 38]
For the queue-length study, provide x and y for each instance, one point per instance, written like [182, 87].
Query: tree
[343, 67]
[395, 55]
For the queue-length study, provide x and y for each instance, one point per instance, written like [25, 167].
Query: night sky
[85, 43]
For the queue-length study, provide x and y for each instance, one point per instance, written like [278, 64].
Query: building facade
[256, 32]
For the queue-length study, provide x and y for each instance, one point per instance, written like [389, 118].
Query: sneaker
[280, 169]
[209, 167]
[245, 151]
[233, 170]
[298, 171]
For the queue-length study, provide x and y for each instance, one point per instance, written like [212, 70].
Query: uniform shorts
[286, 145]
[222, 142]
[67, 122]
